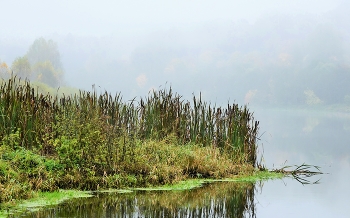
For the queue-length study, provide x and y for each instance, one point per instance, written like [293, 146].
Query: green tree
[42, 50]
[4, 70]
[21, 67]
[45, 58]
[46, 73]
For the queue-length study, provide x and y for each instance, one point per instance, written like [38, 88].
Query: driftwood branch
[301, 173]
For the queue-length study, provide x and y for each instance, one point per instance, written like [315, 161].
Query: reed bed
[100, 133]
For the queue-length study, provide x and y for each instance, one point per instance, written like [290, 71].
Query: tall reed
[103, 129]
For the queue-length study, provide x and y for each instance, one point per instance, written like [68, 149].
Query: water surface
[289, 137]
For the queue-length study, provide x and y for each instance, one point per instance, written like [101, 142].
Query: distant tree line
[42, 63]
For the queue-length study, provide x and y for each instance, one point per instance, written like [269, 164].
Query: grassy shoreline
[45, 199]
[91, 141]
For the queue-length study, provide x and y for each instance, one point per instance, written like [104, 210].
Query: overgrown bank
[170, 196]
[92, 141]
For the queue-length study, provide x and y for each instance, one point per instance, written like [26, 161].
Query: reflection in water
[223, 199]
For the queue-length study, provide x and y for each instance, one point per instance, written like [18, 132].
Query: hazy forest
[279, 59]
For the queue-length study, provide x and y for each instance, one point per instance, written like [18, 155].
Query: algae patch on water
[53, 198]
[44, 199]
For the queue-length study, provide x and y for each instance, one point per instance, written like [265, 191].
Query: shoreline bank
[47, 199]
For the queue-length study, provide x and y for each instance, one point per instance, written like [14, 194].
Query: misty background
[289, 60]
[274, 56]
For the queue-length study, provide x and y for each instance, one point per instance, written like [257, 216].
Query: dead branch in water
[301, 172]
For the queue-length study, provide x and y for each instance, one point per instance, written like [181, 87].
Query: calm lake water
[314, 137]
[289, 137]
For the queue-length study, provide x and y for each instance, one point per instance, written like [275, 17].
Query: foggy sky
[39, 18]
[223, 49]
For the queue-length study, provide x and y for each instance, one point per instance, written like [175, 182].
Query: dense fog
[256, 52]
[288, 60]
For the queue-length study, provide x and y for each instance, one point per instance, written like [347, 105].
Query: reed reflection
[222, 199]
